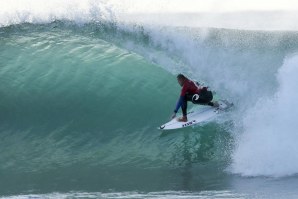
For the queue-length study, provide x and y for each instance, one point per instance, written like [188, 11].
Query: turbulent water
[81, 101]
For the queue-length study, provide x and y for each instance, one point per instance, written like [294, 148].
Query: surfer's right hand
[173, 116]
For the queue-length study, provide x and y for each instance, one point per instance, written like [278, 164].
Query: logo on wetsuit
[195, 97]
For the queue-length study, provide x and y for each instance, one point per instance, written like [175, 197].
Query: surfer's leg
[210, 103]
[205, 98]
[184, 110]
[209, 98]
[184, 106]
[199, 99]
[186, 98]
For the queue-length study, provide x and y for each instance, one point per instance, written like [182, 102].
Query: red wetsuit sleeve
[184, 89]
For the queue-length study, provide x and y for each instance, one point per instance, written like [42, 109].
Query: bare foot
[182, 119]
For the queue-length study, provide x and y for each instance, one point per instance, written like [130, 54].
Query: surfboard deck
[197, 116]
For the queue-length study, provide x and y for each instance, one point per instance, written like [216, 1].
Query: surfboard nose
[162, 127]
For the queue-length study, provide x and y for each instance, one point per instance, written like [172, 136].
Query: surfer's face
[180, 81]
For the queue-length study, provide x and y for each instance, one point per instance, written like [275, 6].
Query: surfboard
[203, 114]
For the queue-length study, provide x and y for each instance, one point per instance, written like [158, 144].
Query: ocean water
[82, 95]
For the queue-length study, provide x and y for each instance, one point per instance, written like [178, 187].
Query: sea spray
[268, 145]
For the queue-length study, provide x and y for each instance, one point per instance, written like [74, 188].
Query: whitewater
[85, 84]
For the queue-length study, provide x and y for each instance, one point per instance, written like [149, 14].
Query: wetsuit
[191, 92]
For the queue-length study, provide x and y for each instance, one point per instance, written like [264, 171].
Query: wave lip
[42, 11]
[27, 11]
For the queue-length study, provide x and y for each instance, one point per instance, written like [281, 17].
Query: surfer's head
[181, 78]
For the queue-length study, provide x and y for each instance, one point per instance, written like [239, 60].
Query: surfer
[192, 91]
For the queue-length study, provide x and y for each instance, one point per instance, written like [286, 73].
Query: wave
[94, 92]
[75, 98]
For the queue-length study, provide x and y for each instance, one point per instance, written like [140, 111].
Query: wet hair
[181, 76]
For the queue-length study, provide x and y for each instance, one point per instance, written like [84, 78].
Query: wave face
[78, 105]
[66, 93]
[82, 95]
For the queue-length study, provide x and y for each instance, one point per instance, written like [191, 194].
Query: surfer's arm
[179, 103]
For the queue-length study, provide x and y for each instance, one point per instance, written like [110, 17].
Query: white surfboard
[197, 116]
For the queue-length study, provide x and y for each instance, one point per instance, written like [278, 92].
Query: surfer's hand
[173, 116]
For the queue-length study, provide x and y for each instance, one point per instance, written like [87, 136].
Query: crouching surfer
[192, 91]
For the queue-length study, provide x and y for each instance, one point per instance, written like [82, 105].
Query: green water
[80, 107]
[78, 111]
